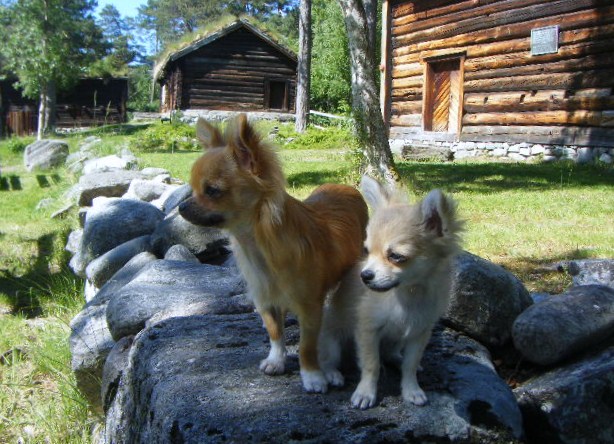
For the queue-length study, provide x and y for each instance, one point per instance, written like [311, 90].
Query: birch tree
[360, 18]
[304, 67]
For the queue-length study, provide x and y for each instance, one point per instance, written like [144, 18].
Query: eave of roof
[161, 65]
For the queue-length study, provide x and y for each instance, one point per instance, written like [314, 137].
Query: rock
[63, 212]
[548, 332]
[571, 404]
[179, 195]
[111, 223]
[585, 155]
[195, 379]
[145, 190]
[203, 242]
[606, 158]
[90, 343]
[180, 253]
[108, 184]
[103, 267]
[45, 154]
[107, 163]
[151, 172]
[486, 299]
[116, 363]
[121, 278]
[592, 272]
[163, 285]
[73, 241]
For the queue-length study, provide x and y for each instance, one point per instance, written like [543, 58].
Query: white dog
[394, 298]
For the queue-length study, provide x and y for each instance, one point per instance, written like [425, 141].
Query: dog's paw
[364, 397]
[314, 381]
[272, 367]
[415, 396]
[334, 378]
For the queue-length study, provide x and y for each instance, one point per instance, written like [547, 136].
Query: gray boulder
[195, 379]
[107, 184]
[107, 163]
[164, 285]
[176, 197]
[90, 342]
[45, 154]
[571, 404]
[485, 301]
[151, 172]
[592, 272]
[127, 273]
[204, 242]
[557, 328]
[110, 223]
[103, 267]
[146, 190]
[180, 253]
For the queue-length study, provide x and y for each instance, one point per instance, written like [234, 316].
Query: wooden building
[237, 67]
[90, 102]
[537, 71]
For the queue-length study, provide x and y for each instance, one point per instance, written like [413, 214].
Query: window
[443, 95]
[276, 95]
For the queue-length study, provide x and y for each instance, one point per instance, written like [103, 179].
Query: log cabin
[237, 67]
[536, 71]
[90, 102]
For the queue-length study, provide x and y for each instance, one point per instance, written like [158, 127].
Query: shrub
[17, 145]
[166, 137]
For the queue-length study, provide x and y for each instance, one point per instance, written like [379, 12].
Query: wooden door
[443, 96]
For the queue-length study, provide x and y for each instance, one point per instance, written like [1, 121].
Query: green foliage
[330, 64]
[327, 138]
[17, 145]
[169, 20]
[51, 41]
[172, 136]
[140, 84]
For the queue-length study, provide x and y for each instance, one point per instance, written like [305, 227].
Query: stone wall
[518, 152]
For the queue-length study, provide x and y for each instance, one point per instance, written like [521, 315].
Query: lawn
[522, 216]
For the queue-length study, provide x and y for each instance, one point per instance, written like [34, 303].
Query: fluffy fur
[291, 253]
[393, 299]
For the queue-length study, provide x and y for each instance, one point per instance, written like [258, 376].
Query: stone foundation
[518, 152]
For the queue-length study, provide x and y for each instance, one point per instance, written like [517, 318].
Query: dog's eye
[396, 258]
[212, 191]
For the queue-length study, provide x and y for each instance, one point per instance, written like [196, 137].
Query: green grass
[522, 216]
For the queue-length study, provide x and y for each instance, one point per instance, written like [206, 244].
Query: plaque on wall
[545, 40]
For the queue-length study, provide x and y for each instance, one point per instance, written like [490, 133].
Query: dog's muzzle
[368, 278]
[197, 215]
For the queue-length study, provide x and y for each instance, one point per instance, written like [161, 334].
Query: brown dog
[291, 253]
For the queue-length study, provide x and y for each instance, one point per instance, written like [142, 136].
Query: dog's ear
[436, 212]
[374, 193]
[246, 143]
[208, 135]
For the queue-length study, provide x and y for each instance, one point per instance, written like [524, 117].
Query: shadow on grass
[497, 177]
[9, 183]
[315, 178]
[545, 275]
[26, 292]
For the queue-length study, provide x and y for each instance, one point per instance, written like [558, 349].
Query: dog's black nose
[367, 276]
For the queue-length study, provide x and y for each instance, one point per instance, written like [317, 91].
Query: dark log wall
[231, 73]
[507, 94]
[90, 102]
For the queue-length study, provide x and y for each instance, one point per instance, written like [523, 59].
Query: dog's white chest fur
[398, 314]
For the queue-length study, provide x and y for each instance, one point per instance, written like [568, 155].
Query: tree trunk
[365, 94]
[304, 67]
[46, 109]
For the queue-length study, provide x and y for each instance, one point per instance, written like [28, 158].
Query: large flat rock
[195, 379]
